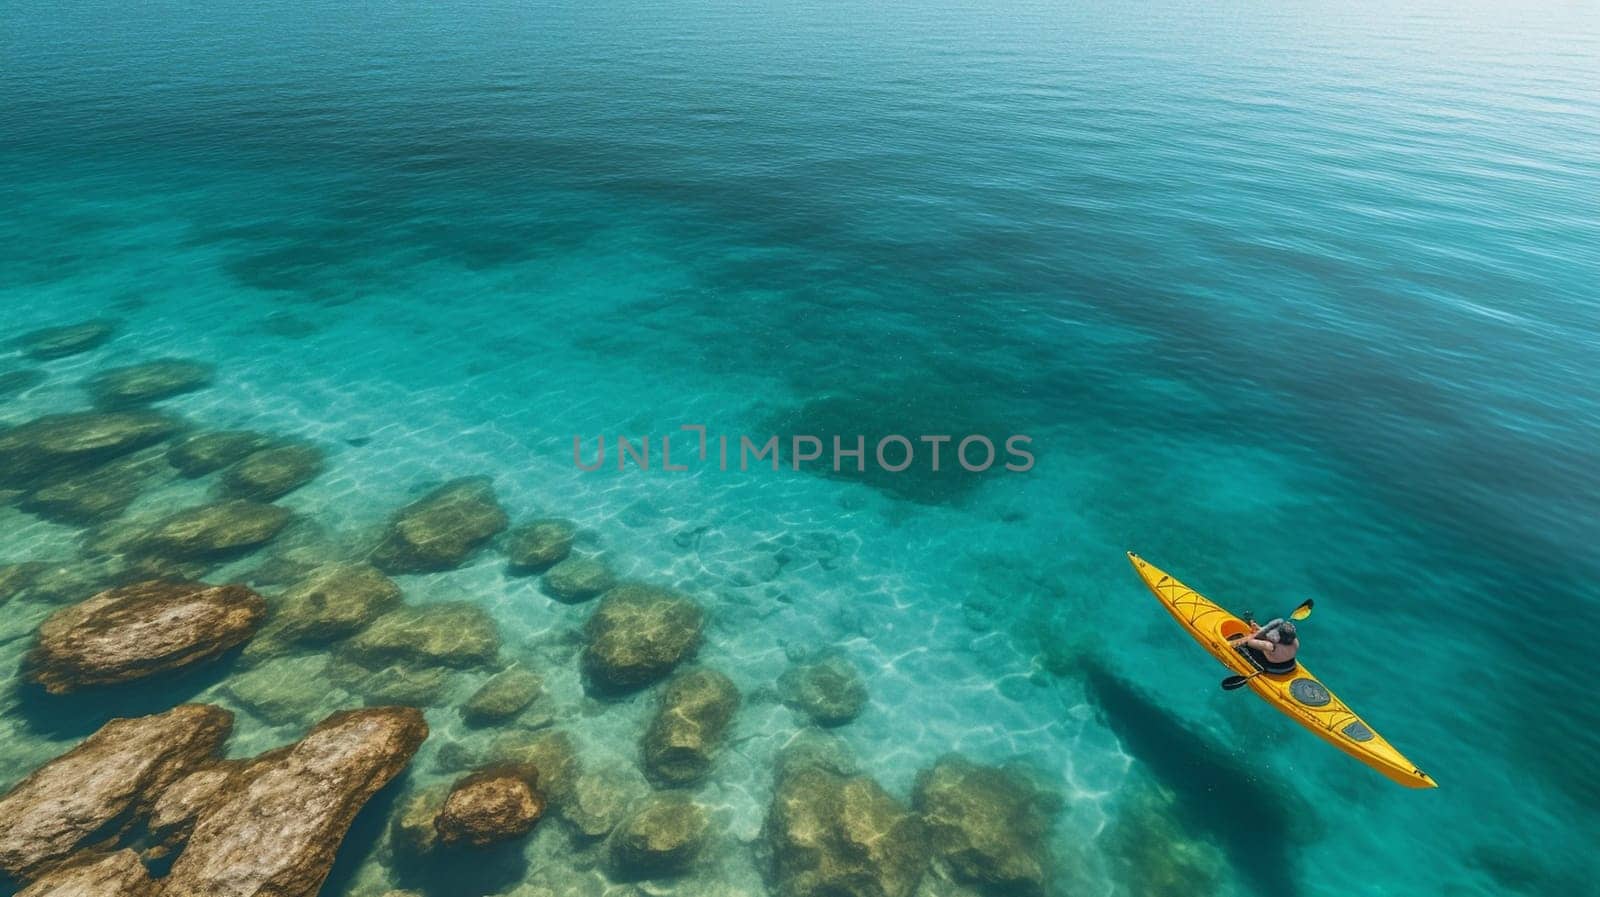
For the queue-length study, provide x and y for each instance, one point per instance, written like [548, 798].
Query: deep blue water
[1294, 301]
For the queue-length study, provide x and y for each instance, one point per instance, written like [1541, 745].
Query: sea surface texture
[1293, 299]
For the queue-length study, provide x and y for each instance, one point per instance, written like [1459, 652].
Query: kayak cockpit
[1232, 628]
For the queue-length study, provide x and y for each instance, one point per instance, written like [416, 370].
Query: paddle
[1233, 682]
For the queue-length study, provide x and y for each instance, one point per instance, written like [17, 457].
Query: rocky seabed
[310, 630]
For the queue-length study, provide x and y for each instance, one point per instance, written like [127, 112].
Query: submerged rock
[106, 782]
[412, 828]
[71, 339]
[139, 630]
[116, 538]
[335, 601]
[536, 545]
[59, 444]
[578, 579]
[989, 825]
[275, 830]
[394, 683]
[284, 691]
[504, 696]
[272, 473]
[176, 809]
[696, 708]
[215, 530]
[490, 806]
[662, 836]
[814, 748]
[95, 496]
[638, 634]
[452, 633]
[833, 835]
[600, 800]
[150, 382]
[206, 453]
[54, 582]
[551, 752]
[304, 547]
[117, 874]
[442, 529]
[1155, 855]
[829, 690]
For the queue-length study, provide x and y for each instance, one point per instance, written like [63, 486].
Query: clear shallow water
[1292, 301]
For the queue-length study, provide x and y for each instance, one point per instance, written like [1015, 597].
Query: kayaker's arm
[1245, 641]
[1251, 639]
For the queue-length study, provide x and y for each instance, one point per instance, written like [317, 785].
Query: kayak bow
[1298, 695]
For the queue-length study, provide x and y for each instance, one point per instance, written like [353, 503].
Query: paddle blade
[1301, 612]
[1233, 682]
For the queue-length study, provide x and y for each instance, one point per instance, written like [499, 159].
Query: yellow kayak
[1299, 694]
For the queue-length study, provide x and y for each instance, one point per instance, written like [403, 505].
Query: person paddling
[1273, 646]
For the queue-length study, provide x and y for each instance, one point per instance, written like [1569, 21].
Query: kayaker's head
[1286, 634]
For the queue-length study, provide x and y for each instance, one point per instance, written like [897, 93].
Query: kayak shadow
[1255, 822]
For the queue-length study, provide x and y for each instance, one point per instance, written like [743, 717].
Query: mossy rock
[696, 709]
[63, 341]
[600, 800]
[96, 496]
[221, 529]
[282, 692]
[412, 826]
[578, 579]
[820, 749]
[272, 473]
[396, 683]
[503, 697]
[1154, 854]
[453, 634]
[303, 548]
[58, 445]
[56, 582]
[204, 453]
[662, 836]
[536, 545]
[442, 529]
[153, 381]
[551, 752]
[638, 634]
[836, 835]
[332, 603]
[828, 689]
[990, 825]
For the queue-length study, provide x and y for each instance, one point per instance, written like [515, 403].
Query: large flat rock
[58, 444]
[119, 874]
[140, 630]
[276, 827]
[111, 778]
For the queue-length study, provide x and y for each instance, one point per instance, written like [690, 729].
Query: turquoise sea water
[1293, 300]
